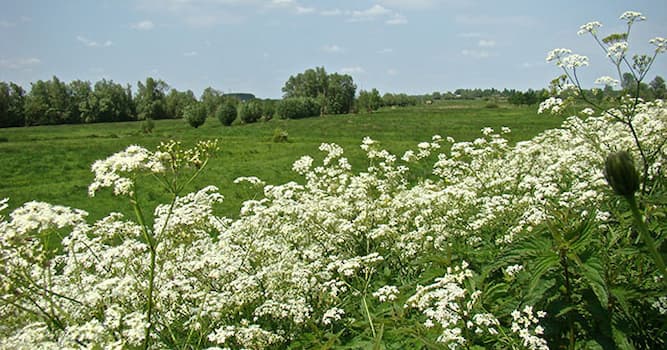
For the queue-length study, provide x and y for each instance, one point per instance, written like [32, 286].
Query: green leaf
[621, 339]
[592, 271]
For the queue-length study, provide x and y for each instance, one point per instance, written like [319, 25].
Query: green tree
[195, 114]
[150, 100]
[81, 92]
[226, 112]
[369, 100]
[211, 98]
[334, 92]
[49, 102]
[297, 108]
[176, 102]
[250, 111]
[658, 87]
[110, 102]
[12, 98]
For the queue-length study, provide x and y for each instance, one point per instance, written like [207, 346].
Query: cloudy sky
[413, 46]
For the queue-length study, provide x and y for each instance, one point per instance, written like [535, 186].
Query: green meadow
[52, 163]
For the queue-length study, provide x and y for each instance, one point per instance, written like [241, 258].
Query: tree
[369, 100]
[297, 108]
[658, 87]
[150, 99]
[12, 98]
[334, 92]
[176, 102]
[110, 102]
[340, 94]
[250, 111]
[49, 102]
[211, 98]
[195, 114]
[81, 92]
[226, 112]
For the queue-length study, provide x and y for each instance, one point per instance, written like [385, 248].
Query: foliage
[226, 112]
[297, 108]
[369, 101]
[506, 246]
[151, 99]
[176, 102]
[12, 99]
[250, 111]
[147, 126]
[195, 114]
[334, 92]
[280, 135]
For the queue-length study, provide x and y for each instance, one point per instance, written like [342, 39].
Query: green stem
[368, 315]
[646, 236]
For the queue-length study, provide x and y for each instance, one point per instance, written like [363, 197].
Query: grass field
[52, 163]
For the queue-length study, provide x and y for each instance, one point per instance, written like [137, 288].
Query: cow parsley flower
[332, 315]
[606, 81]
[386, 293]
[631, 16]
[552, 105]
[660, 44]
[590, 27]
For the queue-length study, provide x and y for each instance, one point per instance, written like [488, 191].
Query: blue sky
[412, 46]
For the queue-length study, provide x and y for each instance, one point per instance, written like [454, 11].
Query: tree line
[56, 102]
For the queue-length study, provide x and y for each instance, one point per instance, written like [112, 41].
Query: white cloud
[470, 35]
[6, 24]
[486, 43]
[19, 63]
[370, 14]
[190, 54]
[477, 20]
[409, 4]
[392, 71]
[282, 2]
[92, 43]
[476, 53]
[386, 50]
[352, 70]
[332, 49]
[334, 12]
[304, 10]
[397, 19]
[144, 25]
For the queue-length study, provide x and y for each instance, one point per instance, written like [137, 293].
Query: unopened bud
[621, 174]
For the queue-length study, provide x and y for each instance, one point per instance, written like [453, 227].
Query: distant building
[242, 96]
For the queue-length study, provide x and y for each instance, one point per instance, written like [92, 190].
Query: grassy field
[52, 163]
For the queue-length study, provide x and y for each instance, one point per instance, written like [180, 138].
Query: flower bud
[621, 174]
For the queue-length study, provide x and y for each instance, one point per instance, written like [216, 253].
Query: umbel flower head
[621, 174]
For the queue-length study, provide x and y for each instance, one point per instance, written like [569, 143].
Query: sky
[254, 46]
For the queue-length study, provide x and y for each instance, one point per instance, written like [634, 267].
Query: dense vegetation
[556, 241]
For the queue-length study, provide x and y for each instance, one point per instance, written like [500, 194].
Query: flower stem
[646, 236]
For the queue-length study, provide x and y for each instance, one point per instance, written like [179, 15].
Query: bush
[250, 111]
[297, 108]
[226, 113]
[147, 126]
[280, 135]
[195, 114]
[268, 109]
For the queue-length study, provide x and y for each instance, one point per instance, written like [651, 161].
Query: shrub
[297, 108]
[195, 114]
[250, 111]
[147, 126]
[268, 109]
[226, 112]
[4, 139]
[280, 135]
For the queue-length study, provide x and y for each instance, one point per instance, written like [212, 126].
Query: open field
[52, 163]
